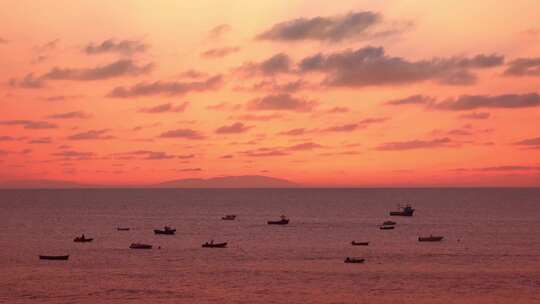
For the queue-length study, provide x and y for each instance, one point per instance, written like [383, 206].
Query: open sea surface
[490, 254]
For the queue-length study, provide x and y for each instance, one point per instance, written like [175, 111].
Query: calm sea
[490, 254]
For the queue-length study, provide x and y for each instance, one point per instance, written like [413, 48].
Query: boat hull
[430, 239]
[54, 257]
[359, 243]
[79, 240]
[215, 245]
[140, 246]
[401, 213]
[387, 227]
[165, 232]
[280, 222]
[354, 261]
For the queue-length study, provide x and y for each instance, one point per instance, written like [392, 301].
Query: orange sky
[331, 93]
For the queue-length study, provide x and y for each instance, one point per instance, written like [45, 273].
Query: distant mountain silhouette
[41, 184]
[244, 181]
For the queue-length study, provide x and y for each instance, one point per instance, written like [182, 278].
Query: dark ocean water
[491, 251]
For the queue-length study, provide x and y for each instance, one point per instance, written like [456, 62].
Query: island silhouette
[243, 181]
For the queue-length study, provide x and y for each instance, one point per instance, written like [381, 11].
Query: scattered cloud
[294, 132]
[158, 156]
[149, 155]
[91, 135]
[281, 102]
[42, 140]
[304, 146]
[235, 128]
[414, 100]
[167, 88]
[523, 67]
[355, 126]
[122, 67]
[370, 66]
[112, 46]
[476, 115]
[61, 97]
[74, 155]
[186, 156]
[166, 107]
[118, 68]
[529, 142]
[335, 28]
[223, 106]
[6, 138]
[3, 41]
[27, 82]
[253, 117]
[278, 63]
[219, 52]
[190, 170]
[372, 120]
[273, 86]
[70, 115]
[342, 128]
[29, 124]
[507, 168]
[265, 152]
[47, 46]
[471, 102]
[415, 144]
[336, 110]
[192, 74]
[182, 133]
[219, 30]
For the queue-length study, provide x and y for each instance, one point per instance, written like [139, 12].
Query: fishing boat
[54, 257]
[386, 227]
[211, 244]
[354, 243]
[430, 238]
[283, 221]
[406, 210]
[389, 223]
[229, 217]
[354, 260]
[166, 230]
[122, 228]
[82, 239]
[140, 246]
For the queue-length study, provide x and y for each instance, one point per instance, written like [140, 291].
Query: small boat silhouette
[82, 239]
[406, 210]
[54, 257]
[283, 221]
[140, 246]
[122, 228]
[354, 260]
[386, 227]
[229, 217]
[211, 244]
[389, 223]
[430, 238]
[354, 243]
[166, 230]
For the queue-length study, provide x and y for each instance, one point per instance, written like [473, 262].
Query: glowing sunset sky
[366, 93]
